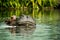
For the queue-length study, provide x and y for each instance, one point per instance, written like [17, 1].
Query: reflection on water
[47, 25]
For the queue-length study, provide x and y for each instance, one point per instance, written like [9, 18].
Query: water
[47, 25]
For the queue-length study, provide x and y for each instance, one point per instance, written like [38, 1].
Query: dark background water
[47, 25]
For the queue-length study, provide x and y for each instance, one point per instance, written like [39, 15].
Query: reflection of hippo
[23, 23]
[25, 31]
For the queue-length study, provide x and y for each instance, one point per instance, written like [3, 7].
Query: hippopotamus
[24, 22]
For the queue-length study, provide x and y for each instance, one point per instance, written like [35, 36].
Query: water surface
[47, 25]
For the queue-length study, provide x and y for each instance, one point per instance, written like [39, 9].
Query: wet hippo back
[26, 19]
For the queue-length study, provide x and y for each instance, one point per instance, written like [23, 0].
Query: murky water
[47, 25]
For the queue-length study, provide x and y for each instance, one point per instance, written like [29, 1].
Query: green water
[47, 25]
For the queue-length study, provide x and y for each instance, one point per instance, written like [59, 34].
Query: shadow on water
[47, 25]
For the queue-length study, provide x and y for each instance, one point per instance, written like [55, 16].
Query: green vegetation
[40, 15]
[28, 3]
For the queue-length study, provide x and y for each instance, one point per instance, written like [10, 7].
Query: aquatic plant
[28, 3]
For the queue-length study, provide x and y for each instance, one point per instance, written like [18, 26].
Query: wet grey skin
[25, 22]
